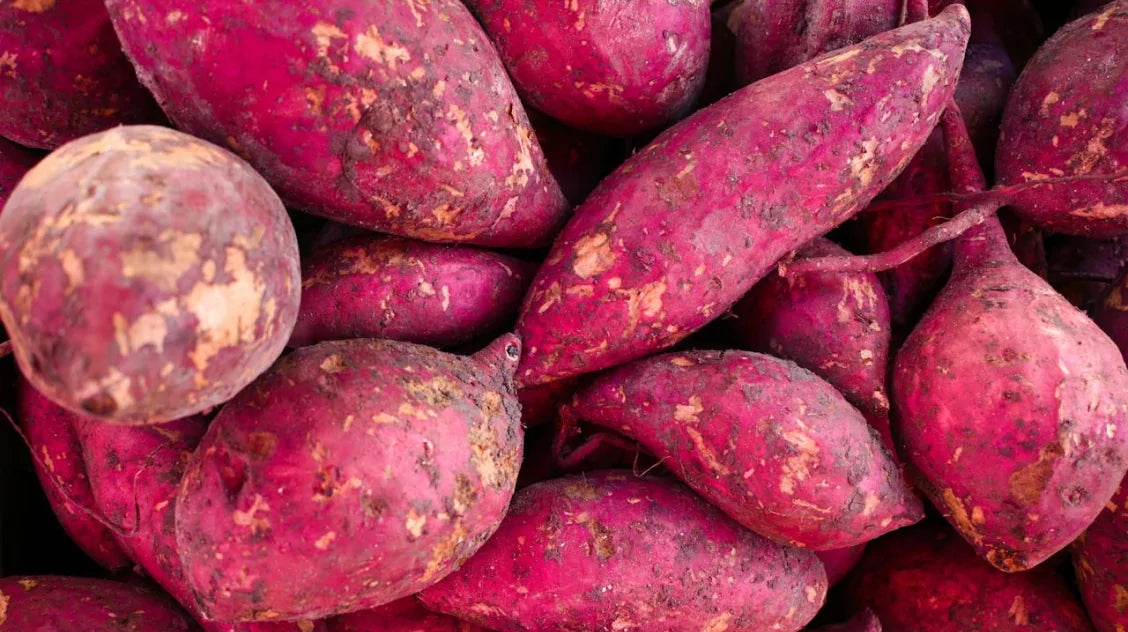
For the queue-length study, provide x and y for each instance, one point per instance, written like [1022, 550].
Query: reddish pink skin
[404, 615]
[63, 74]
[816, 476]
[864, 621]
[835, 325]
[613, 67]
[1084, 269]
[352, 474]
[166, 275]
[683, 229]
[59, 464]
[1100, 559]
[400, 289]
[14, 163]
[927, 579]
[612, 551]
[839, 562]
[1080, 73]
[393, 116]
[92, 605]
[769, 39]
[578, 160]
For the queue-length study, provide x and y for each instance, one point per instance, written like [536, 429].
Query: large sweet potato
[48, 603]
[352, 474]
[403, 615]
[612, 551]
[145, 275]
[14, 163]
[684, 228]
[1100, 557]
[395, 116]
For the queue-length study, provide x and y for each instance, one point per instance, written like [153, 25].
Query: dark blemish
[100, 405]
[511, 352]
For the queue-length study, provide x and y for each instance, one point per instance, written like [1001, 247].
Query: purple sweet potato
[864, 621]
[48, 603]
[926, 579]
[774, 35]
[404, 615]
[1011, 403]
[59, 465]
[578, 160]
[613, 67]
[352, 474]
[63, 74]
[1066, 117]
[1084, 269]
[612, 551]
[839, 562]
[769, 443]
[834, 325]
[14, 163]
[394, 116]
[400, 289]
[145, 275]
[1100, 558]
[684, 228]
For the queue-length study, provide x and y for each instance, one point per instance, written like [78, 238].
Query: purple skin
[578, 160]
[679, 232]
[352, 474]
[145, 275]
[769, 443]
[1066, 117]
[400, 289]
[1083, 269]
[14, 163]
[393, 116]
[92, 605]
[839, 562]
[864, 621]
[404, 615]
[1100, 558]
[612, 551]
[63, 75]
[614, 67]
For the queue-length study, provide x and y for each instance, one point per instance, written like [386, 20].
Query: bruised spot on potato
[1029, 483]
[33, 6]
[593, 255]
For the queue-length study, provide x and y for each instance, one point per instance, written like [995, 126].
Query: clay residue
[33, 6]
[371, 45]
[958, 512]
[581, 490]
[688, 412]
[444, 552]
[601, 543]
[250, 518]
[719, 623]
[593, 255]
[1028, 483]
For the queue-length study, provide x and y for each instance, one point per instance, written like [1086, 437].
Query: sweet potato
[1100, 558]
[46, 603]
[926, 579]
[14, 163]
[59, 465]
[614, 67]
[816, 476]
[145, 275]
[864, 621]
[63, 75]
[684, 228]
[393, 116]
[1015, 426]
[404, 615]
[611, 551]
[577, 160]
[352, 474]
[835, 325]
[839, 562]
[1065, 117]
[400, 289]
[1083, 269]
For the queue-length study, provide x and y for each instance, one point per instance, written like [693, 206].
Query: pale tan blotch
[689, 411]
[4, 601]
[798, 467]
[334, 364]
[1050, 99]
[593, 255]
[444, 551]
[325, 33]
[522, 169]
[33, 6]
[960, 515]
[415, 523]
[164, 271]
[838, 101]
[930, 79]
[1018, 613]
[148, 329]
[250, 517]
[322, 543]
[1102, 19]
[8, 63]
[226, 314]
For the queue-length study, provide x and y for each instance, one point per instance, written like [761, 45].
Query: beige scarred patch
[1018, 613]
[372, 45]
[444, 552]
[251, 518]
[838, 101]
[8, 63]
[706, 453]
[4, 601]
[959, 513]
[1101, 211]
[148, 329]
[688, 412]
[163, 271]
[1028, 483]
[322, 543]
[593, 255]
[522, 170]
[798, 468]
[719, 623]
[33, 6]
[414, 523]
[226, 313]
[334, 364]
[863, 166]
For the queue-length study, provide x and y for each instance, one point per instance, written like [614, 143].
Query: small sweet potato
[145, 275]
[394, 116]
[769, 443]
[1100, 558]
[352, 474]
[612, 551]
[14, 163]
[864, 621]
[400, 289]
[47, 603]
[403, 615]
[63, 74]
[839, 562]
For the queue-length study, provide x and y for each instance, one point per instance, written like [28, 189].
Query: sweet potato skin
[822, 479]
[142, 312]
[63, 74]
[313, 459]
[14, 163]
[610, 550]
[393, 116]
[1099, 559]
[403, 615]
[1065, 117]
[590, 66]
[683, 229]
[401, 289]
[92, 605]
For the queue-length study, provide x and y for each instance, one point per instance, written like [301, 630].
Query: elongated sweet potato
[394, 116]
[864, 621]
[404, 615]
[839, 562]
[166, 275]
[371, 467]
[91, 605]
[63, 75]
[926, 579]
[400, 289]
[14, 163]
[684, 228]
[59, 464]
[1065, 117]
[1100, 558]
[611, 551]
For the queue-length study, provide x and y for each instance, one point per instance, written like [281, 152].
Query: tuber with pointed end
[400, 289]
[393, 116]
[1100, 559]
[14, 163]
[45, 603]
[352, 474]
[145, 275]
[612, 551]
[679, 232]
[864, 621]
[769, 443]
[1012, 404]
[403, 615]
